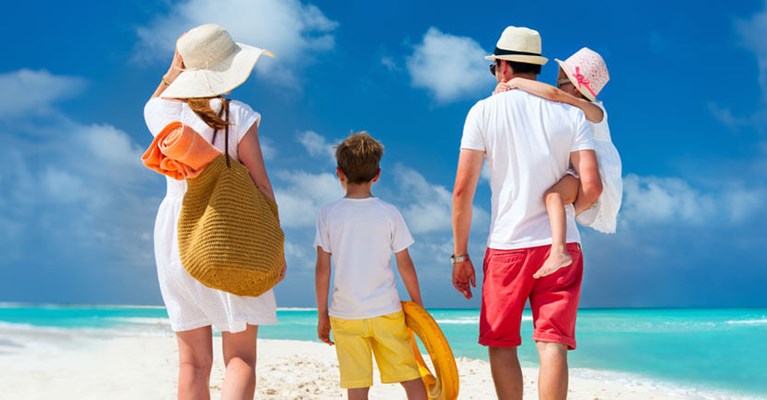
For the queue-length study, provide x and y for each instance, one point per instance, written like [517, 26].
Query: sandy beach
[141, 367]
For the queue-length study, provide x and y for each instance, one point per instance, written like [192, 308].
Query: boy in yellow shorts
[360, 232]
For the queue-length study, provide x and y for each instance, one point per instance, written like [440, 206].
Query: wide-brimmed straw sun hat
[520, 45]
[587, 71]
[213, 63]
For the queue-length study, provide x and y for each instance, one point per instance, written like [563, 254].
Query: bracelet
[165, 81]
[454, 259]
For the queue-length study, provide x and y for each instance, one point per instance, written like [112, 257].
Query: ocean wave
[469, 320]
[757, 321]
[141, 320]
[458, 321]
[674, 389]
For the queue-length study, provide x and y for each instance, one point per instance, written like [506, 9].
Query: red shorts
[509, 282]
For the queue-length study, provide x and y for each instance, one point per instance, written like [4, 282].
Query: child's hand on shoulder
[323, 328]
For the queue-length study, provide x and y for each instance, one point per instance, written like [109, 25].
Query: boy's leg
[415, 389]
[563, 192]
[195, 356]
[355, 362]
[240, 359]
[358, 393]
[394, 354]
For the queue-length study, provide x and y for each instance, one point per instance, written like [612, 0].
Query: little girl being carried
[581, 77]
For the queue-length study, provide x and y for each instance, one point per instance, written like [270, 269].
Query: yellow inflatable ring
[445, 385]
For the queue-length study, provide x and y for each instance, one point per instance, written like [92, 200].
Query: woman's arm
[175, 69]
[249, 152]
[592, 111]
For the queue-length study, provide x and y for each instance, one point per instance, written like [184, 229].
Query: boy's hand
[464, 278]
[323, 329]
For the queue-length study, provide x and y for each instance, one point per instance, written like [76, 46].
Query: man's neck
[358, 190]
[532, 77]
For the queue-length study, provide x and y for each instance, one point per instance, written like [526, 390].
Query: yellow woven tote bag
[229, 234]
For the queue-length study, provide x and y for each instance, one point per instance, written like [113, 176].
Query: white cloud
[753, 35]
[450, 67]
[300, 195]
[317, 146]
[428, 206]
[663, 200]
[293, 31]
[753, 32]
[26, 92]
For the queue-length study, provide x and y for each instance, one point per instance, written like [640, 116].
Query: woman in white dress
[207, 64]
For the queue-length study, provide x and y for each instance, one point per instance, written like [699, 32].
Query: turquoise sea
[699, 353]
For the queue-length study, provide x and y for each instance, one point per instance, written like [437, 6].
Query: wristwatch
[454, 259]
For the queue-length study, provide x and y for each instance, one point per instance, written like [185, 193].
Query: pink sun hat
[587, 71]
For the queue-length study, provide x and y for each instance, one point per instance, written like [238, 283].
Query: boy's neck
[359, 190]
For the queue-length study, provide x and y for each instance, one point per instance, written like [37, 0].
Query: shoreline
[85, 365]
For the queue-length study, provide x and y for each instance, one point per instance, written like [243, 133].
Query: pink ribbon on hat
[582, 81]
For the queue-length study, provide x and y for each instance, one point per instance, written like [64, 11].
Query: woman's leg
[195, 356]
[240, 361]
[563, 192]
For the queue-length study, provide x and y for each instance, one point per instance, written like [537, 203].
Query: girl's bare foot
[556, 260]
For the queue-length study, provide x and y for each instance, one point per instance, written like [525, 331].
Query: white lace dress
[190, 304]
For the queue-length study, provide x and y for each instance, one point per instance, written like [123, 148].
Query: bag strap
[224, 110]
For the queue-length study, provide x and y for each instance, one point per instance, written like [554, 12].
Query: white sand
[144, 368]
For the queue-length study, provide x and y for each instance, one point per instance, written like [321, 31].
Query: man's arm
[409, 276]
[466, 179]
[322, 287]
[585, 163]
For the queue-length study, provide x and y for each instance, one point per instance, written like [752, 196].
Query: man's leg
[552, 377]
[507, 374]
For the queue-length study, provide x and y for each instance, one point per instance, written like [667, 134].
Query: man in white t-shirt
[360, 233]
[529, 143]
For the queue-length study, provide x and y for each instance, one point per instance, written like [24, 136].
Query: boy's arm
[409, 276]
[592, 111]
[322, 287]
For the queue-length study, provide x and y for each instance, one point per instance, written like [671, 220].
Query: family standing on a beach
[539, 146]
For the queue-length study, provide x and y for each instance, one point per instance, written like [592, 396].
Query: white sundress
[603, 215]
[191, 304]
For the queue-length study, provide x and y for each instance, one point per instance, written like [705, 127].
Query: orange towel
[179, 152]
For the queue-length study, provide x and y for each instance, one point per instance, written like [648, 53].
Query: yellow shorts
[387, 337]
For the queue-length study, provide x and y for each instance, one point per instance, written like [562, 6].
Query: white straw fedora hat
[587, 71]
[213, 63]
[520, 45]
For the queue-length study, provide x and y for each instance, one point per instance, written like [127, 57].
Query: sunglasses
[492, 69]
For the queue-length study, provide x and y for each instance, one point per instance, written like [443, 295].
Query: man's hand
[464, 278]
[323, 329]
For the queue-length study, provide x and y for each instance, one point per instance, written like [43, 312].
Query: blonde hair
[201, 107]
[358, 157]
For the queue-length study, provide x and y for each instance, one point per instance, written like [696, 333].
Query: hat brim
[216, 79]
[570, 72]
[537, 60]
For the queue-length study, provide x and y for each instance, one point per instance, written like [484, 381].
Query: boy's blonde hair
[358, 157]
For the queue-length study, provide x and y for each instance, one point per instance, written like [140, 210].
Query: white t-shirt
[527, 142]
[361, 235]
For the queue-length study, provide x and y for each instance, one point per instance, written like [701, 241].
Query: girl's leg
[195, 356]
[240, 361]
[563, 192]
[358, 393]
[415, 389]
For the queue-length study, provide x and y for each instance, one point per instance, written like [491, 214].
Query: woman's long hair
[201, 107]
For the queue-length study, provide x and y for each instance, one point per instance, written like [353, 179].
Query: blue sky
[687, 104]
